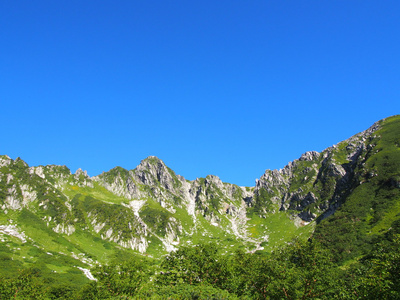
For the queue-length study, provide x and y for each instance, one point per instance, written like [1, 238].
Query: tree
[27, 285]
[200, 264]
[124, 279]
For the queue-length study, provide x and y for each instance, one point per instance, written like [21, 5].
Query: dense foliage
[302, 270]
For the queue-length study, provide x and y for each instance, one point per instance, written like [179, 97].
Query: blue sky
[229, 88]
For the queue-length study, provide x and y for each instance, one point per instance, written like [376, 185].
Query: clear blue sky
[229, 88]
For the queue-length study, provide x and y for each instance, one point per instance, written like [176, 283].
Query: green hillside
[325, 226]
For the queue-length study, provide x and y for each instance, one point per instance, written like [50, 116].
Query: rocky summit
[47, 210]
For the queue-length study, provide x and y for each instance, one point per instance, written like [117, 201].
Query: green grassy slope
[373, 206]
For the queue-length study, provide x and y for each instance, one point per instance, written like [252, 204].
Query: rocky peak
[212, 179]
[80, 172]
[152, 170]
[5, 160]
[21, 162]
[309, 156]
[82, 178]
[111, 175]
[151, 163]
[271, 179]
[152, 160]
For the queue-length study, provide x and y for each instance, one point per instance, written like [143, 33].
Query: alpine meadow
[326, 226]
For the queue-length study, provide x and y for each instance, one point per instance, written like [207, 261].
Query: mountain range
[70, 220]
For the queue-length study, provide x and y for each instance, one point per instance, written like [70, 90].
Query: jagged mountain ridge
[316, 183]
[151, 209]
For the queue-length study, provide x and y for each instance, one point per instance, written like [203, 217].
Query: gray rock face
[82, 178]
[309, 156]
[152, 178]
[316, 183]
[118, 183]
[152, 170]
[207, 197]
[151, 173]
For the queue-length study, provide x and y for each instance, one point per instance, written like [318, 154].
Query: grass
[15, 255]
[36, 229]
[305, 176]
[98, 249]
[340, 154]
[186, 219]
[280, 229]
[389, 217]
[98, 192]
[156, 248]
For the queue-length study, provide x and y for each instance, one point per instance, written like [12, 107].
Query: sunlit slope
[81, 220]
[372, 207]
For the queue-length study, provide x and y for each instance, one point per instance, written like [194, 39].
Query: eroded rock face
[118, 184]
[82, 178]
[152, 170]
[309, 156]
[316, 183]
